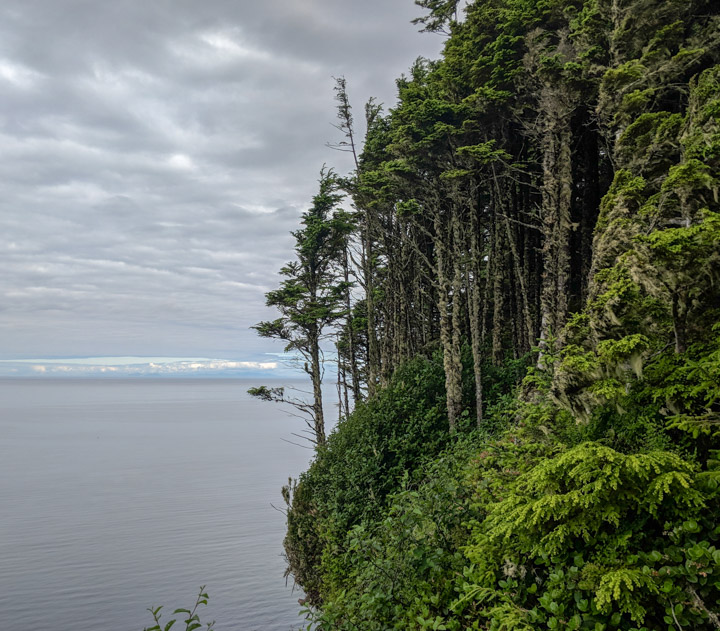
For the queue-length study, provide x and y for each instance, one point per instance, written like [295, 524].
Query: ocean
[119, 495]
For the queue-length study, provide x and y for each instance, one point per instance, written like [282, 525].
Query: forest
[520, 285]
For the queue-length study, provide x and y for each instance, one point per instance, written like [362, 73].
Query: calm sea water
[119, 495]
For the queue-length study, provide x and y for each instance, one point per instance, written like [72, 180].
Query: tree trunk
[373, 355]
[556, 205]
[498, 294]
[352, 355]
[474, 309]
[342, 392]
[457, 308]
[489, 281]
[316, 376]
[678, 317]
[446, 332]
[590, 208]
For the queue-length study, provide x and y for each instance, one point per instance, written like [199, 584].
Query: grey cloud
[157, 154]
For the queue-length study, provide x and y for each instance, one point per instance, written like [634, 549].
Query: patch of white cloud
[181, 162]
[211, 49]
[257, 209]
[18, 75]
[133, 366]
[123, 79]
[85, 192]
[227, 46]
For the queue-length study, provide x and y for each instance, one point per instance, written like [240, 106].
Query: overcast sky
[155, 155]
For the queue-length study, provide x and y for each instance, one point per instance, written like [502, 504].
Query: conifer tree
[311, 298]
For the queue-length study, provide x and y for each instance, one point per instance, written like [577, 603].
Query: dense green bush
[394, 571]
[537, 522]
[589, 499]
[592, 539]
[365, 459]
[380, 450]
[404, 571]
[523, 532]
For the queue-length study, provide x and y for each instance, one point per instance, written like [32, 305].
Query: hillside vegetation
[525, 302]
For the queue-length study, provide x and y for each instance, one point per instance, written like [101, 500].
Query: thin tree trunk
[678, 317]
[446, 333]
[373, 355]
[473, 284]
[354, 373]
[316, 376]
[457, 309]
[345, 389]
[503, 206]
[557, 198]
[498, 295]
[489, 280]
[590, 208]
[339, 383]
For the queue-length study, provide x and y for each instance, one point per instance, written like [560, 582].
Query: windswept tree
[346, 347]
[442, 14]
[311, 298]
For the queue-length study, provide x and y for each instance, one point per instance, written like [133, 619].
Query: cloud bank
[136, 367]
[157, 154]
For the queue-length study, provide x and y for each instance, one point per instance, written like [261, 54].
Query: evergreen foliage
[536, 234]
[311, 297]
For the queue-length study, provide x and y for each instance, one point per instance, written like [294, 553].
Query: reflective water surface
[116, 495]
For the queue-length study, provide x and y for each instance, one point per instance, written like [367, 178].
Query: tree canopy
[535, 247]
